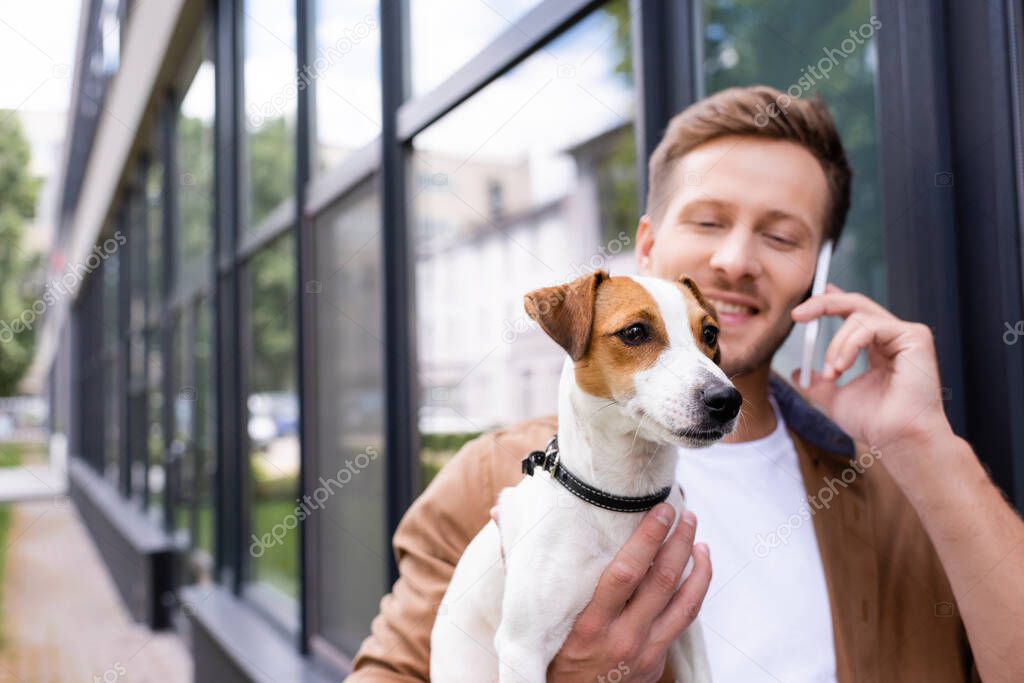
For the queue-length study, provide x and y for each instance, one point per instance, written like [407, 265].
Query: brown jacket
[893, 613]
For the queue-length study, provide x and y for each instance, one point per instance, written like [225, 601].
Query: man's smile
[733, 309]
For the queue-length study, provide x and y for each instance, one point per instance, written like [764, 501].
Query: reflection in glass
[444, 36]
[270, 90]
[529, 183]
[203, 410]
[271, 405]
[346, 73]
[194, 467]
[111, 386]
[181, 468]
[350, 516]
[788, 45]
[155, 447]
[154, 240]
[196, 167]
[155, 475]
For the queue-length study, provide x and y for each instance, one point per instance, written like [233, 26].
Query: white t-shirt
[766, 616]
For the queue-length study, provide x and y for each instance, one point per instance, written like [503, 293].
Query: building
[293, 239]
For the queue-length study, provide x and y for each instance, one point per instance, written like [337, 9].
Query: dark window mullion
[305, 140]
[167, 134]
[666, 70]
[401, 436]
[228, 131]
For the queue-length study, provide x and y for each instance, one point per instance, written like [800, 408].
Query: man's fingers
[861, 332]
[842, 351]
[629, 566]
[683, 608]
[660, 583]
[837, 303]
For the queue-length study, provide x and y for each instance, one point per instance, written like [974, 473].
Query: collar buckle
[547, 459]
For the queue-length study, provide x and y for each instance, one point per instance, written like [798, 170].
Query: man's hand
[636, 611]
[897, 406]
[898, 401]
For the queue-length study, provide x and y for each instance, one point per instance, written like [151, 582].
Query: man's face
[745, 218]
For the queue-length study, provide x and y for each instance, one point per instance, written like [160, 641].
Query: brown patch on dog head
[702, 314]
[566, 312]
[609, 366]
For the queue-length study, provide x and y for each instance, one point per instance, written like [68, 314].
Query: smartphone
[811, 331]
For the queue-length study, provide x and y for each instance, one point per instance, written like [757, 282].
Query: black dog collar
[547, 460]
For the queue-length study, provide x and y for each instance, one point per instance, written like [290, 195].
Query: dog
[640, 379]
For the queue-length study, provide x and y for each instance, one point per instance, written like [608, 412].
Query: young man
[868, 545]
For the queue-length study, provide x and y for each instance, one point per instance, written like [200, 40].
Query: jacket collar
[808, 422]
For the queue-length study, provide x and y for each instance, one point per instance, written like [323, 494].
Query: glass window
[138, 266]
[137, 411]
[194, 467]
[271, 404]
[155, 446]
[346, 70]
[529, 182]
[350, 501]
[111, 387]
[193, 389]
[204, 465]
[196, 167]
[138, 429]
[181, 469]
[154, 241]
[446, 35]
[270, 90]
[809, 48]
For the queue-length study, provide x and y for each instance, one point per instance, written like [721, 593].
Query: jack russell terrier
[642, 378]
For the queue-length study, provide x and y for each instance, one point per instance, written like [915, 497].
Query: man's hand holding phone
[897, 404]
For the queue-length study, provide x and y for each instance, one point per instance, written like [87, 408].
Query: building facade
[294, 238]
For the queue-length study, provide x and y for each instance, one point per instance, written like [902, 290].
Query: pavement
[61, 616]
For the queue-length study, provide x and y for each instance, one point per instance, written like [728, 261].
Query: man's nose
[736, 255]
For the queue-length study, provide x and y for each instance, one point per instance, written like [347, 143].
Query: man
[892, 559]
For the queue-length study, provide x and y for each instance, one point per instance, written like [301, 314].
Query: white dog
[641, 379]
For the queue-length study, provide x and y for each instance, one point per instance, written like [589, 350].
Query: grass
[279, 563]
[14, 454]
[11, 454]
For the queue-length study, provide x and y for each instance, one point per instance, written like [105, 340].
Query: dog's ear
[688, 282]
[566, 312]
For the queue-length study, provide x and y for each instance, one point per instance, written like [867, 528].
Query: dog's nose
[723, 402]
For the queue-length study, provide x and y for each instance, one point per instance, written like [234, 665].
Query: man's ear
[566, 312]
[644, 244]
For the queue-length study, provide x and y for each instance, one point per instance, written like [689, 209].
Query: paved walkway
[63, 620]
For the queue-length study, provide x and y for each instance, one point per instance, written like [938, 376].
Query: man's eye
[710, 335]
[709, 224]
[634, 334]
[783, 241]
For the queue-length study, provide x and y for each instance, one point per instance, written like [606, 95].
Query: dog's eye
[710, 335]
[634, 334]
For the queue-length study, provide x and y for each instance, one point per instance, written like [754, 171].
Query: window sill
[233, 641]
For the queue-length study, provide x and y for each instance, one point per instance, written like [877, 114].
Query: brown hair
[756, 111]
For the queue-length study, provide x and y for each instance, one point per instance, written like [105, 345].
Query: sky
[37, 43]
